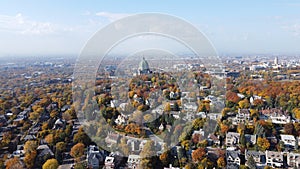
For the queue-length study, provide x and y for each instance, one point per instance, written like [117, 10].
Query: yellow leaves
[167, 107]
[186, 144]
[263, 143]
[244, 104]
[49, 139]
[224, 128]
[253, 112]
[30, 146]
[296, 112]
[51, 164]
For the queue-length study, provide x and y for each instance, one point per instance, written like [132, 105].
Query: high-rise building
[276, 60]
[144, 67]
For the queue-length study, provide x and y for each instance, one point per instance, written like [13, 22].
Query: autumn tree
[148, 155]
[81, 137]
[49, 139]
[60, 147]
[29, 159]
[263, 143]
[166, 158]
[221, 162]
[14, 163]
[224, 129]
[51, 164]
[77, 150]
[296, 112]
[289, 128]
[30, 146]
[148, 149]
[244, 104]
[167, 107]
[198, 155]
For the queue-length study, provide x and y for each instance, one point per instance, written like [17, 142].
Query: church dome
[143, 66]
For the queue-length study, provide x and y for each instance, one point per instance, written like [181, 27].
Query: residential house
[94, 157]
[133, 161]
[293, 160]
[133, 144]
[112, 138]
[171, 167]
[277, 116]
[65, 108]
[280, 119]
[289, 140]
[233, 158]
[59, 124]
[109, 162]
[174, 95]
[232, 139]
[251, 139]
[19, 152]
[190, 107]
[242, 116]
[44, 153]
[3, 120]
[213, 140]
[29, 137]
[274, 159]
[259, 157]
[21, 117]
[121, 119]
[214, 116]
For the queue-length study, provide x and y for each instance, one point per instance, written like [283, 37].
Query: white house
[121, 119]
[280, 118]
[133, 161]
[109, 162]
[289, 140]
[242, 116]
[274, 159]
[293, 160]
[232, 139]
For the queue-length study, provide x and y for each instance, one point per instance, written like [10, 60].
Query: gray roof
[233, 154]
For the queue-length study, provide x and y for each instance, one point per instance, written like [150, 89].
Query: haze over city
[51, 28]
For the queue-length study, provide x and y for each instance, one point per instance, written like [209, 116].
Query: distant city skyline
[48, 28]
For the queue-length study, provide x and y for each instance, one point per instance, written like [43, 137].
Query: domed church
[144, 67]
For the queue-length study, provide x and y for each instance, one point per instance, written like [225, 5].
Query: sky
[62, 27]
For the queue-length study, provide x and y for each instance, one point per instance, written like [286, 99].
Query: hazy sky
[62, 27]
